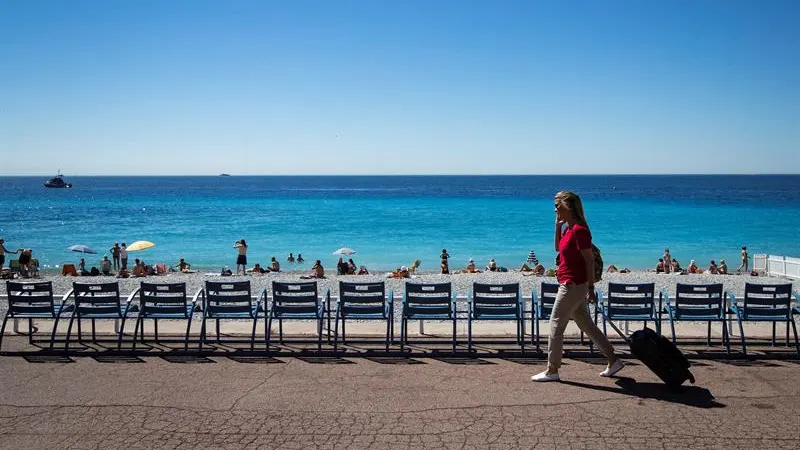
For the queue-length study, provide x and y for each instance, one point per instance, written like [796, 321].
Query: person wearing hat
[492, 266]
[723, 267]
[471, 267]
[692, 267]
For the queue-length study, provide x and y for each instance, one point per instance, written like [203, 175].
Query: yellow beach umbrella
[140, 245]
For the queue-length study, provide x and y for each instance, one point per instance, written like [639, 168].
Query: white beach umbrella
[346, 251]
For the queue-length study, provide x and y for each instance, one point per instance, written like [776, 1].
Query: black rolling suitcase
[659, 354]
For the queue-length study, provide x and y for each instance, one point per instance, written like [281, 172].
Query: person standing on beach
[667, 261]
[745, 261]
[3, 251]
[445, 266]
[576, 286]
[115, 252]
[123, 255]
[241, 259]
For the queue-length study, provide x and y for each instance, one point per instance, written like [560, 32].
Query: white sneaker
[544, 377]
[613, 369]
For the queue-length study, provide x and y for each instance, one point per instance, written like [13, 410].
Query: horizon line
[225, 175]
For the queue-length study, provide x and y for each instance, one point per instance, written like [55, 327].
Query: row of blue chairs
[369, 301]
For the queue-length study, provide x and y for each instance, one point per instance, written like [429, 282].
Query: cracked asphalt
[287, 403]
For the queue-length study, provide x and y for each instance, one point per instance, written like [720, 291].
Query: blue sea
[393, 220]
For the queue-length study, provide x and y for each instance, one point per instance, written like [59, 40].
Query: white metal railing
[774, 265]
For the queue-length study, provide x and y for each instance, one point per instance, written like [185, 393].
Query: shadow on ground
[695, 396]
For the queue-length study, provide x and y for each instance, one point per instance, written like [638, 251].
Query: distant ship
[224, 175]
[57, 182]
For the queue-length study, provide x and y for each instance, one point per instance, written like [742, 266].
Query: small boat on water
[57, 182]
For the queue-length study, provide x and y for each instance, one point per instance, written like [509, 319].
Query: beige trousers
[571, 304]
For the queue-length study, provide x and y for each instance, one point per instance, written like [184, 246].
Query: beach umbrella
[81, 249]
[346, 251]
[140, 245]
[532, 258]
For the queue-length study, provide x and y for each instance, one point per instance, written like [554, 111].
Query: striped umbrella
[532, 258]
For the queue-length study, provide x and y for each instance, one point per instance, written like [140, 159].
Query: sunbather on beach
[470, 267]
[259, 270]
[183, 266]
[492, 266]
[692, 267]
[138, 268]
[402, 272]
[525, 268]
[105, 266]
[363, 270]
[723, 267]
[667, 261]
[351, 267]
[713, 269]
[660, 266]
[341, 267]
[25, 257]
[317, 271]
[82, 268]
[275, 266]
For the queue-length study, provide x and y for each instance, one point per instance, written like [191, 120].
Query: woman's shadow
[686, 395]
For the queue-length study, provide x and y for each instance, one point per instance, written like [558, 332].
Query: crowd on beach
[668, 264]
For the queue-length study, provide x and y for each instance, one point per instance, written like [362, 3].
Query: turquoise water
[391, 221]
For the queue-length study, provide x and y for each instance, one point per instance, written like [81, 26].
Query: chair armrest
[201, 293]
[262, 297]
[731, 302]
[389, 310]
[66, 297]
[664, 295]
[600, 299]
[323, 304]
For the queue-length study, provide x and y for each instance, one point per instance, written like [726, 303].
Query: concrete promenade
[92, 401]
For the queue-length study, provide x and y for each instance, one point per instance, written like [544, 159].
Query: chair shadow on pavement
[695, 396]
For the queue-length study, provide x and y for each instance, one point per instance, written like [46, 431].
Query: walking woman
[241, 259]
[575, 278]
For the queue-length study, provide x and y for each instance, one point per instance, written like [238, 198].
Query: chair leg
[336, 332]
[253, 334]
[402, 333]
[741, 332]
[522, 333]
[344, 331]
[787, 329]
[80, 332]
[320, 323]
[773, 333]
[94, 331]
[672, 327]
[52, 335]
[202, 333]
[709, 334]
[69, 329]
[796, 341]
[30, 331]
[186, 339]
[454, 334]
[268, 331]
[155, 330]
[469, 335]
[136, 331]
[538, 336]
[121, 332]
[726, 339]
[388, 329]
[3, 330]
[280, 330]
[217, 325]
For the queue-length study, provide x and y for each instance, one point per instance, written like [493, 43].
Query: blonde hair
[572, 202]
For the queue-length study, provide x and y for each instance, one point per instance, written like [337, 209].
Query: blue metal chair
[33, 301]
[364, 301]
[626, 301]
[296, 301]
[98, 301]
[496, 302]
[695, 303]
[765, 303]
[230, 301]
[164, 301]
[427, 302]
[542, 309]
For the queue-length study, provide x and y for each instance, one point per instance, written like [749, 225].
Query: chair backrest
[30, 298]
[428, 294]
[693, 300]
[631, 299]
[228, 297]
[362, 293]
[498, 299]
[767, 301]
[168, 298]
[96, 298]
[295, 298]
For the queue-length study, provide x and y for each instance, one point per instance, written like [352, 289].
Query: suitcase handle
[619, 332]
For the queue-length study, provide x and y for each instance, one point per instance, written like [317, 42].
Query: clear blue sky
[411, 87]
